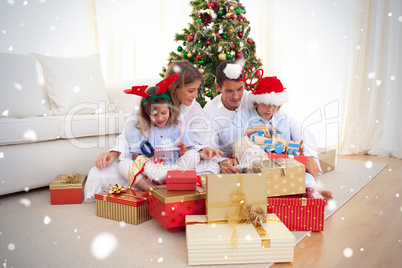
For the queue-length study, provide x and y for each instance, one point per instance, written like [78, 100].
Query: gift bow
[70, 178]
[117, 189]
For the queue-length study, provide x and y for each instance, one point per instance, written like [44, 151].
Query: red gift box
[301, 158]
[130, 206]
[177, 180]
[63, 192]
[170, 208]
[303, 212]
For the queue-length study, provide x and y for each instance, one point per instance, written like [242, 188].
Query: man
[224, 107]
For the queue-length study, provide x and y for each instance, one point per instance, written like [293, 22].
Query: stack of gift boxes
[232, 218]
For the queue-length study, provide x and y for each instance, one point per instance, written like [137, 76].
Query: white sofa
[60, 125]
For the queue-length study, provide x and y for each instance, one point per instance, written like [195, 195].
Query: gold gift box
[327, 159]
[284, 176]
[210, 243]
[221, 189]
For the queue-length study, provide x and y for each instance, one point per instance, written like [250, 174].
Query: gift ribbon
[70, 178]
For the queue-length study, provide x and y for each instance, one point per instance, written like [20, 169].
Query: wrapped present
[177, 180]
[284, 176]
[67, 189]
[211, 243]
[228, 194]
[327, 159]
[169, 208]
[299, 212]
[301, 158]
[129, 206]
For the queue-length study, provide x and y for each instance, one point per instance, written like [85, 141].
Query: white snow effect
[160, 241]
[233, 71]
[43, 101]
[400, 18]
[25, 201]
[53, 28]
[1, 155]
[103, 245]
[18, 86]
[75, 230]
[348, 252]
[26, 189]
[248, 237]
[10, 48]
[177, 69]
[11, 2]
[11, 246]
[351, 190]
[213, 225]
[390, 14]
[25, 3]
[30, 135]
[371, 75]
[331, 205]
[378, 82]
[358, 47]
[47, 220]
[401, 208]
[163, 213]
[137, 107]
[368, 164]
[342, 218]
[392, 78]
[76, 89]
[390, 169]
[122, 224]
[361, 249]
[160, 259]
[397, 195]
[5, 112]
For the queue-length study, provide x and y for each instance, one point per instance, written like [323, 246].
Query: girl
[158, 124]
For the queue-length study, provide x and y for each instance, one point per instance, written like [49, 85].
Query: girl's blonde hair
[144, 122]
[188, 74]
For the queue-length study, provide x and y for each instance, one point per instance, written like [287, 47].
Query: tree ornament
[185, 54]
[199, 57]
[240, 34]
[201, 62]
[201, 70]
[250, 41]
[189, 55]
[199, 20]
[228, 56]
[232, 17]
[238, 10]
[207, 43]
[232, 46]
[190, 37]
[224, 36]
[210, 4]
[179, 49]
[208, 94]
[222, 56]
[239, 55]
[198, 45]
[184, 43]
[220, 13]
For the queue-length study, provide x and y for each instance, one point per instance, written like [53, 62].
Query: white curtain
[372, 117]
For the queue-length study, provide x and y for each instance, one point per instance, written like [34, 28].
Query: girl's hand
[265, 130]
[106, 158]
[182, 147]
[208, 153]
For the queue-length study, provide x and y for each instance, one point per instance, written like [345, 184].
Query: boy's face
[160, 115]
[266, 111]
[232, 92]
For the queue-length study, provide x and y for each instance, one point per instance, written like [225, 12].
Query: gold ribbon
[117, 189]
[70, 178]
[136, 168]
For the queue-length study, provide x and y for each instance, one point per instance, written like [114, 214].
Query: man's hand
[105, 159]
[208, 153]
[227, 166]
[312, 167]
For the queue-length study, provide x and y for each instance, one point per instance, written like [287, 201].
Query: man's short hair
[220, 75]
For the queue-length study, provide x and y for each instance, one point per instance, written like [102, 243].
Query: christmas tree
[219, 32]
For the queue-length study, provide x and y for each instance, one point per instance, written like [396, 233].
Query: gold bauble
[222, 56]
[213, 33]
[189, 55]
[201, 70]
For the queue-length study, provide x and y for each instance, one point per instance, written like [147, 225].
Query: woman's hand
[207, 153]
[182, 147]
[106, 158]
[265, 130]
[227, 166]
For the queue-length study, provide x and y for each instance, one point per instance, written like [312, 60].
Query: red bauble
[240, 34]
[207, 43]
[239, 55]
[210, 4]
[218, 35]
[232, 46]
[249, 40]
[199, 57]
[233, 16]
[239, 17]
[190, 37]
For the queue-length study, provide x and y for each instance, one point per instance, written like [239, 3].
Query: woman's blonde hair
[144, 122]
[188, 74]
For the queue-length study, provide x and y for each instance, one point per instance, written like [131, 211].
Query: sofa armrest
[125, 102]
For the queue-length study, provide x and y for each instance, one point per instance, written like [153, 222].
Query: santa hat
[269, 91]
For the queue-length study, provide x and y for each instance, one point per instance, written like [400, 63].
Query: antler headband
[163, 85]
[248, 74]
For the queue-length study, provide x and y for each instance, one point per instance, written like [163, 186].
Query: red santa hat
[269, 91]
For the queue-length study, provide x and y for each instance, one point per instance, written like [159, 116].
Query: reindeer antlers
[251, 77]
[165, 83]
[137, 90]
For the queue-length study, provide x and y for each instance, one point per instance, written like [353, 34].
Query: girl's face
[188, 93]
[266, 111]
[160, 115]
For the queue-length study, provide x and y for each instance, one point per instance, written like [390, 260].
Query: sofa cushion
[28, 130]
[20, 92]
[75, 82]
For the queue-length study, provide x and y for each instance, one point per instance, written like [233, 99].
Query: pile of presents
[228, 218]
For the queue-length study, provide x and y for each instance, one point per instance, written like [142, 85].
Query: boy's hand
[265, 130]
[227, 166]
[208, 153]
[301, 148]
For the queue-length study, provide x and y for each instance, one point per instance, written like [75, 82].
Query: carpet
[34, 233]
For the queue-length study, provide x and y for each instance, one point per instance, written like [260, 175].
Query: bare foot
[326, 194]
